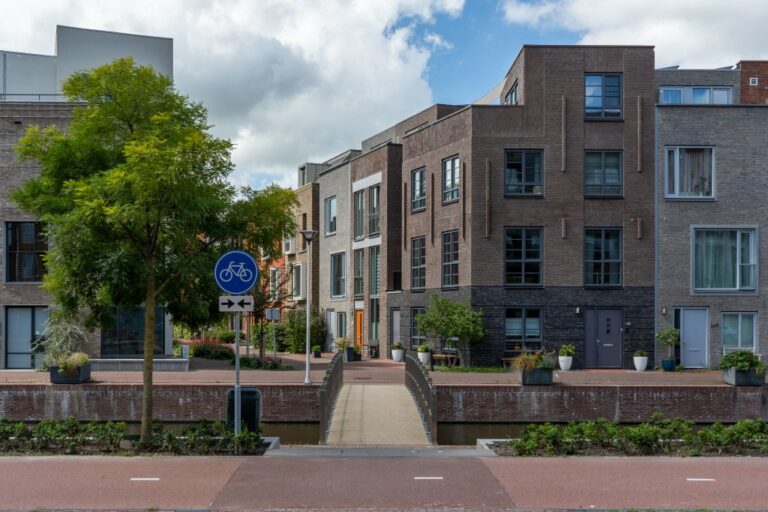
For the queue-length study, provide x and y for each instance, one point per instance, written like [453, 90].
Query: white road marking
[145, 479]
[700, 479]
[427, 478]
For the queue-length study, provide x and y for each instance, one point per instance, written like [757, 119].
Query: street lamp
[309, 235]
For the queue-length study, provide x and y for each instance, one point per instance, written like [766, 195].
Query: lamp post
[309, 235]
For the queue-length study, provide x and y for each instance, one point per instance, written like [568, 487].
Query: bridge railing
[329, 392]
[419, 384]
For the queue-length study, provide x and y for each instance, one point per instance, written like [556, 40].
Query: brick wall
[755, 94]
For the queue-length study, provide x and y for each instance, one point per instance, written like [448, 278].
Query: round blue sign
[236, 272]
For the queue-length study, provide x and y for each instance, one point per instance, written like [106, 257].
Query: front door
[359, 327]
[693, 337]
[602, 328]
[330, 322]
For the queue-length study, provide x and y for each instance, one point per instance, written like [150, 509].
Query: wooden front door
[359, 327]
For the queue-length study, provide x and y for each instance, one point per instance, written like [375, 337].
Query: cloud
[287, 81]
[692, 33]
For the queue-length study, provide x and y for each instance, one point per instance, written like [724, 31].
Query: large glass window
[522, 257]
[522, 329]
[602, 173]
[125, 337]
[23, 325]
[451, 179]
[739, 330]
[338, 274]
[523, 173]
[602, 95]
[418, 189]
[602, 257]
[450, 259]
[359, 272]
[26, 245]
[374, 268]
[511, 97]
[373, 210]
[359, 214]
[417, 338]
[671, 96]
[330, 216]
[724, 259]
[690, 172]
[296, 287]
[418, 263]
[687, 95]
[373, 333]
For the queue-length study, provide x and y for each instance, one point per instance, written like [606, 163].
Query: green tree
[136, 200]
[296, 329]
[454, 322]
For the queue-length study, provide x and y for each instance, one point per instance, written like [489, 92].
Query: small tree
[455, 322]
[296, 330]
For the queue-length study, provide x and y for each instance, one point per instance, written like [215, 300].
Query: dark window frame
[525, 153]
[509, 342]
[33, 336]
[452, 193]
[524, 258]
[419, 203]
[419, 271]
[449, 268]
[14, 254]
[603, 261]
[374, 318]
[511, 97]
[416, 338]
[359, 215]
[603, 111]
[340, 281]
[602, 192]
[374, 270]
[374, 210]
[330, 223]
[359, 279]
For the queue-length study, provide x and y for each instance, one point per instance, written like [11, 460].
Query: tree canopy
[453, 322]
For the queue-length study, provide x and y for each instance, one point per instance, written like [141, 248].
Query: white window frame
[327, 215]
[676, 193]
[289, 245]
[753, 258]
[753, 81]
[343, 274]
[301, 281]
[678, 89]
[753, 314]
[274, 283]
[686, 94]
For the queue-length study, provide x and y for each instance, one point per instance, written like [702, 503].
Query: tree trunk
[261, 340]
[462, 348]
[149, 353]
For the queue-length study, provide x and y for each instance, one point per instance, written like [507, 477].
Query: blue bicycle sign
[236, 272]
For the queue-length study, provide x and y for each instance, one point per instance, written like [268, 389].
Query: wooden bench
[447, 359]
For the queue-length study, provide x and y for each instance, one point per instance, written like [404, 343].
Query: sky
[293, 81]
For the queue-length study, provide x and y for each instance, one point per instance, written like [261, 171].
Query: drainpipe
[656, 191]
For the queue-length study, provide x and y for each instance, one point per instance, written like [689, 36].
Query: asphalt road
[230, 483]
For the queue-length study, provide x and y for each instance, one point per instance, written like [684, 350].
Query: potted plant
[742, 368]
[565, 356]
[425, 353]
[349, 352]
[71, 369]
[358, 353]
[398, 352]
[535, 369]
[640, 358]
[316, 351]
[671, 338]
[62, 341]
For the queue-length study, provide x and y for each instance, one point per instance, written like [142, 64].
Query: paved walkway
[376, 415]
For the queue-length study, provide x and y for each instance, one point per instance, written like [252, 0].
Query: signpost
[235, 273]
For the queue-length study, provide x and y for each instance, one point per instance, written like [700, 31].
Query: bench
[447, 359]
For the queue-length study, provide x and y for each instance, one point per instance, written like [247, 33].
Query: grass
[471, 369]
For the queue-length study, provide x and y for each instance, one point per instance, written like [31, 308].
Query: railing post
[328, 393]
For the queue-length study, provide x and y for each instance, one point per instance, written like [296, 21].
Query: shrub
[567, 350]
[640, 353]
[397, 346]
[742, 360]
[209, 350]
[266, 363]
[228, 336]
[315, 348]
[527, 362]
[70, 364]
[424, 348]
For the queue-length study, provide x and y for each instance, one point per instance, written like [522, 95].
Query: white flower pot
[565, 362]
[640, 363]
[425, 358]
[397, 355]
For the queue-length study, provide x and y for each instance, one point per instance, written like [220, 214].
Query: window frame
[523, 183]
[359, 215]
[602, 115]
[359, 279]
[523, 338]
[603, 194]
[294, 282]
[444, 264]
[274, 284]
[330, 221]
[604, 261]
[374, 318]
[419, 203]
[755, 329]
[416, 338]
[676, 194]
[422, 266]
[342, 277]
[374, 210]
[34, 310]
[11, 258]
[452, 194]
[540, 260]
[754, 260]
[511, 97]
[374, 270]
[341, 324]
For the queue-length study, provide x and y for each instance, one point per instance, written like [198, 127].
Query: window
[522, 329]
[22, 327]
[296, 288]
[522, 257]
[739, 330]
[373, 210]
[373, 322]
[418, 263]
[274, 284]
[303, 228]
[695, 95]
[341, 325]
[602, 173]
[511, 97]
[418, 190]
[330, 216]
[26, 245]
[450, 270]
[602, 96]
[690, 173]
[359, 213]
[126, 336]
[417, 338]
[753, 81]
[724, 259]
[338, 275]
[358, 272]
[602, 257]
[451, 179]
[522, 173]
[374, 274]
[671, 96]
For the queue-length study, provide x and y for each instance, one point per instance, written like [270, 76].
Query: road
[400, 483]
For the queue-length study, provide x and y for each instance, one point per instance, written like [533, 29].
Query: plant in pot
[535, 369]
[671, 338]
[398, 352]
[345, 347]
[62, 342]
[425, 353]
[316, 351]
[640, 358]
[565, 356]
[742, 368]
[358, 353]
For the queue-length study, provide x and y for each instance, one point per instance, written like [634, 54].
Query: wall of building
[754, 94]
[705, 77]
[307, 197]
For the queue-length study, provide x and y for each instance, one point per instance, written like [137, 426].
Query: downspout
[655, 233]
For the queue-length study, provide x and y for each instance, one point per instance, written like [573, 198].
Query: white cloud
[436, 41]
[692, 33]
[286, 80]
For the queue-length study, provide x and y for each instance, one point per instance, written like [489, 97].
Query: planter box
[425, 358]
[83, 375]
[641, 363]
[397, 355]
[349, 354]
[317, 355]
[736, 377]
[565, 362]
[668, 365]
[537, 377]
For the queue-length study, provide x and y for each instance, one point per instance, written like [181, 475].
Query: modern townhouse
[30, 94]
[296, 251]
[712, 227]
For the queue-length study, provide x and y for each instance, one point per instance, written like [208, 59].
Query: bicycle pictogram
[235, 270]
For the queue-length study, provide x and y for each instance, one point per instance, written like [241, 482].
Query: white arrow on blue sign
[236, 272]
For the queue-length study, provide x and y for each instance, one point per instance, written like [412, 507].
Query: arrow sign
[235, 303]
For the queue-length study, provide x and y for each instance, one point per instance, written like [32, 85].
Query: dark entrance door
[602, 329]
